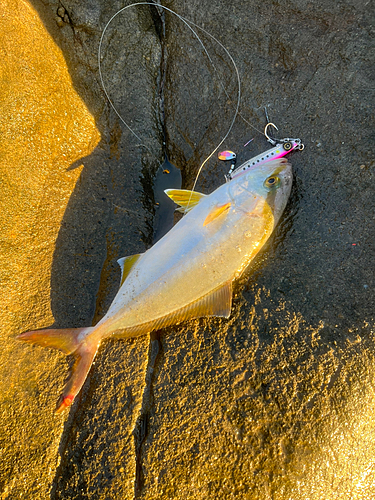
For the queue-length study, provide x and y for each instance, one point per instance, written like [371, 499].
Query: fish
[189, 273]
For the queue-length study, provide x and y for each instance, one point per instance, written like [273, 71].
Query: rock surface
[278, 401]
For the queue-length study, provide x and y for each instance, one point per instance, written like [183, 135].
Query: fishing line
[189, 24]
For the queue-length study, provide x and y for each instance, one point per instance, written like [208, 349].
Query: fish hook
[287, 143]
[269, 139]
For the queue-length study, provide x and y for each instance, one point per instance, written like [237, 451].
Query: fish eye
[272, 182]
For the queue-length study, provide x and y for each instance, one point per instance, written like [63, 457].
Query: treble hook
[269, 139]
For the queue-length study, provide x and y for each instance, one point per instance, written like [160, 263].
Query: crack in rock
[141, 426]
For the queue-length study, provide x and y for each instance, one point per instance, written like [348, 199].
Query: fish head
[269, 183]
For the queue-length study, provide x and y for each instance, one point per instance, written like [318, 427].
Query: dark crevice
[142, 424]
[164, 211]
[167, 176]
[158, 18]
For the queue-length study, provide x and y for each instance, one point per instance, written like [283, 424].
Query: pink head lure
[281, 147]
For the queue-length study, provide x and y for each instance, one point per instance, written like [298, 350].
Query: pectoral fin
[185, 198]
[126, 264]
[216, 212]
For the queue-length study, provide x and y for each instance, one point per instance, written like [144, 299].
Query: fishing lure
[281, 148]
[227, 155]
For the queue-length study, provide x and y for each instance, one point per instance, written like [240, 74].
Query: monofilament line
[189, 24]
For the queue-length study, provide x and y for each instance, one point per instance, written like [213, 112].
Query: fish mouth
[287, 174]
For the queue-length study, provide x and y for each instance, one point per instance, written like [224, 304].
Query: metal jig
[281, 148]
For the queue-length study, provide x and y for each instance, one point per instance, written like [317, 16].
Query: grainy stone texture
[278, 401]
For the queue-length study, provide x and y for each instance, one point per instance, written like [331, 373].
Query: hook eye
[269, 139]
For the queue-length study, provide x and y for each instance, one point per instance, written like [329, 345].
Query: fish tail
[84, 356]
[70, 341]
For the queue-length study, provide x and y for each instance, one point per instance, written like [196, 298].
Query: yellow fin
[215, 212]
[126, 263]
[185, 198]
[215, 303]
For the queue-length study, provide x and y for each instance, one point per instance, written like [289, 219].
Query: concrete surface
[278, 401]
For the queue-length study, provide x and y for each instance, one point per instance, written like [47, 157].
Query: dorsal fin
[184, 198]
[126, 263]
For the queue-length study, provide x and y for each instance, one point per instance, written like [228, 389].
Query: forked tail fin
[74, 341]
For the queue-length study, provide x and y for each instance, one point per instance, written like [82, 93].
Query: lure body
[189, 272]
[279, 150]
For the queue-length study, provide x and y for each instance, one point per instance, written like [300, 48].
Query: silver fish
[189, 272]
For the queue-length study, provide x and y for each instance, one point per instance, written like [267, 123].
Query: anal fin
[216, 303]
